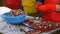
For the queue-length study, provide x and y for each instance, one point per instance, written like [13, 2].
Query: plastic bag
[13, 4]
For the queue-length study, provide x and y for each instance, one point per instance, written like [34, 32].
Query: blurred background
[2, 2]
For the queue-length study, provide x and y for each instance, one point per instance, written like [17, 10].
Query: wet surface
[56, 32]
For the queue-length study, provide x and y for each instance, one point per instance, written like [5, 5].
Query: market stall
[15, 29]
[35, 17]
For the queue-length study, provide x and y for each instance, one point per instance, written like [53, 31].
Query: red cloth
[38, 4]
[51, 1]
[49, 10]
[47, 7]
[13, 4]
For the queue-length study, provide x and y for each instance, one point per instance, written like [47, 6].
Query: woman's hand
[57, 7]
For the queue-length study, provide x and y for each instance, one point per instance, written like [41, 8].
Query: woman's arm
[47, 7]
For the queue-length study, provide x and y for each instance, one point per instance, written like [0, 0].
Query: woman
[50, 10]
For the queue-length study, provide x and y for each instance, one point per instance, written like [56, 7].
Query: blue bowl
[14, 19]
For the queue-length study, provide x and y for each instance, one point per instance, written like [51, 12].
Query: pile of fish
[16, 12]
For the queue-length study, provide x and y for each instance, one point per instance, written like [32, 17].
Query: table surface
[8, 28]
[12, 29]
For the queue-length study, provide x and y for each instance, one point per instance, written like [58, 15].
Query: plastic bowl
[14, 19]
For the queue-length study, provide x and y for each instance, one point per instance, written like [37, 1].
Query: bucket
[28, 2]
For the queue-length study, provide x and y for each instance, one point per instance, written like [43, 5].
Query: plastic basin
[14, 19]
